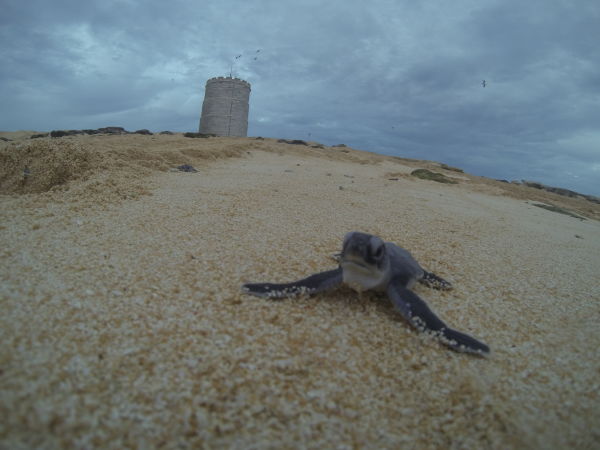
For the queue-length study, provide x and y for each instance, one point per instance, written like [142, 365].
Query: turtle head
[364, 260]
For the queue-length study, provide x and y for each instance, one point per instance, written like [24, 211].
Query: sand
[123, 324]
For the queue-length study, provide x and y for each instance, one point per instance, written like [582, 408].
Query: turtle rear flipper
[436, 282]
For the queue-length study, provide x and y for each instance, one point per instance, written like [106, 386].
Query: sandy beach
[124, 326]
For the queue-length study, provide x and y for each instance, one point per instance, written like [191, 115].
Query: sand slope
[123, 323]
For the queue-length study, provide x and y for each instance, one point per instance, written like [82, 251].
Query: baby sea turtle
[368, 263]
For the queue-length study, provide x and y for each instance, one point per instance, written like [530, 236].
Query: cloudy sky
[390, 76]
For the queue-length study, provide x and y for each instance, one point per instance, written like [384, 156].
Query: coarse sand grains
[123, 324]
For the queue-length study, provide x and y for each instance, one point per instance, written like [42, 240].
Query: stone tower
[225, 107]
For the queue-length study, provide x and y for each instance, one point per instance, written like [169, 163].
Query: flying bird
[483, 83]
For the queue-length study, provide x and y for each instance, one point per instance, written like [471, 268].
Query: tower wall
[225, 107]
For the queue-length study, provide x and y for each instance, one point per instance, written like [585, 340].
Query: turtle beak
[354, 261]
[354, 254]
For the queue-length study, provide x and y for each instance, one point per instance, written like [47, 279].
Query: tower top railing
[239, 80]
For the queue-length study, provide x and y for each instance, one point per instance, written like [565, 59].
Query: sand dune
[123, 323]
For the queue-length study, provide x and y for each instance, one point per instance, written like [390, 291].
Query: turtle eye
[379, 252]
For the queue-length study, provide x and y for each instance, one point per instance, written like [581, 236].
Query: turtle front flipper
[313, 284]
[416, 311]
[436, 282]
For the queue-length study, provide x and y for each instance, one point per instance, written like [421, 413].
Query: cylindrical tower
[225, 107]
